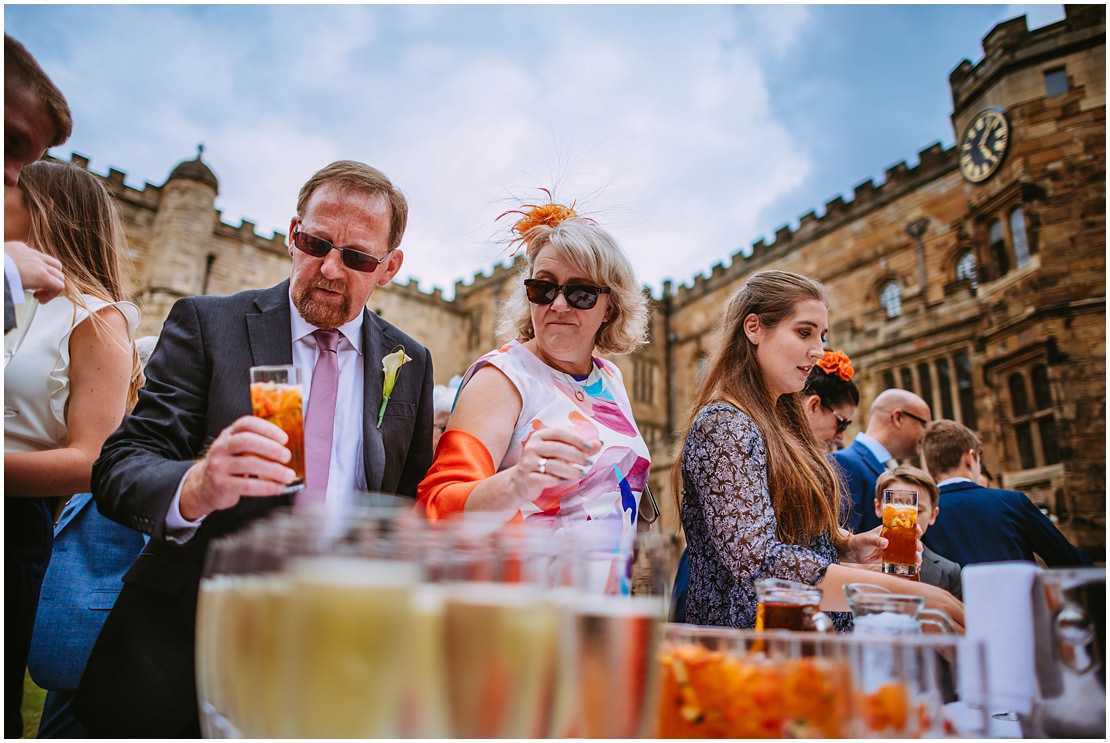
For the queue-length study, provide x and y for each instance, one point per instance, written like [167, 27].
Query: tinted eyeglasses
[917, 418]
[841, 422]
[353, 259]
[578, 296]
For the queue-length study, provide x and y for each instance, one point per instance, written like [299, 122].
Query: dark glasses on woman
[841, 423]
[578, 296]
[318, 247]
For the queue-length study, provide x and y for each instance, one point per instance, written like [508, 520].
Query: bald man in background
[895, 426]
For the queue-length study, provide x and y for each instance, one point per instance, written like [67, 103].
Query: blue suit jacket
[861, 471]
[978, 524]
[91, 554]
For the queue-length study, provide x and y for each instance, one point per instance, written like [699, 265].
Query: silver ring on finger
[542, 467]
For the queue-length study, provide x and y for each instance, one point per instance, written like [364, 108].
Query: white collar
[950, 480]
[874, 447]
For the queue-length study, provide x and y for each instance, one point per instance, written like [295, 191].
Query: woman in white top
[542, 430]
[70, 382]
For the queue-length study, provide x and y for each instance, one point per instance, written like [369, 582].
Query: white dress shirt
[346, 472]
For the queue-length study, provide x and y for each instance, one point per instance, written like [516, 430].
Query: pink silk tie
[319, 422]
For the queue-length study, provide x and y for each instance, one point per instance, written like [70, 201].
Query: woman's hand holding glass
[552, 456]
[865, 550]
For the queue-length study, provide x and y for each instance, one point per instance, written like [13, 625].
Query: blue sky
[689, 131]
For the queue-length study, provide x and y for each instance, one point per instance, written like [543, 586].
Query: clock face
[984, 145]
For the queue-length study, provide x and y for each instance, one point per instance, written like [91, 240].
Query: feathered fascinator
[837, 363]
[548, 215]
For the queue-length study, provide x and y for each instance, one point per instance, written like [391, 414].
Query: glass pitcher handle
[821, 622]
[937, 618]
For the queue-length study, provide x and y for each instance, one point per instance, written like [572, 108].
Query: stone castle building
[976, 278]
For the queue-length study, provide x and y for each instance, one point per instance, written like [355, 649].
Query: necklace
[577, 386]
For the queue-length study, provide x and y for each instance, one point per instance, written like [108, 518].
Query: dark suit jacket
[861, 471]
[978, 524]
[939, 571]
[140, 679]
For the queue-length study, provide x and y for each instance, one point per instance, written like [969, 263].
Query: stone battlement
[1011, 44]
[899, 179]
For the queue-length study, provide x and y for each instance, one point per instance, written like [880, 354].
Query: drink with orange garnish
[900, 531]
[276, 396]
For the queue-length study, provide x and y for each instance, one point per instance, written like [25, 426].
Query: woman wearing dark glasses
[830, 398]
[542, 429]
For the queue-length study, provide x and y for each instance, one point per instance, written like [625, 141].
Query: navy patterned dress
[730, 523]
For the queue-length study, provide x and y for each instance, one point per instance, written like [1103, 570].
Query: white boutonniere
[391, 365]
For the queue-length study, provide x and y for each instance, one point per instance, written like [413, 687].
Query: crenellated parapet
[499, 272]
[1011, 44]
[867, 196]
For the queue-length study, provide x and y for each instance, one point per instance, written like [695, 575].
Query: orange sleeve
[462, 461]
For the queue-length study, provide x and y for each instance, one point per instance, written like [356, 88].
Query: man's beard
[318, 314]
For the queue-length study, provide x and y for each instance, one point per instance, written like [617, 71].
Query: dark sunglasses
[353, 259]
[917, 418]
[841, 423]
[578, 296]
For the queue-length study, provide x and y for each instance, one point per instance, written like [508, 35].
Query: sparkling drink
[351, 625]
[276, 396]
[499, 665]
[613, 653]
[900, 531]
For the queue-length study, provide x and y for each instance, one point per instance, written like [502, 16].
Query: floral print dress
[730, 523]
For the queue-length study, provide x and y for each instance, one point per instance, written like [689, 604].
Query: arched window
[1000, 258]
[891, 298]
[1018, 237]
[966, 269]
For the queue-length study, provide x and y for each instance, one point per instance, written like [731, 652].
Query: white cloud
[659, 124]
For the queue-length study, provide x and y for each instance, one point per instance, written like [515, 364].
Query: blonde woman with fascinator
[542, 427]
[73, 377]
[758, 497]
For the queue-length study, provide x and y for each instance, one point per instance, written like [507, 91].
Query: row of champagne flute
[375, 623]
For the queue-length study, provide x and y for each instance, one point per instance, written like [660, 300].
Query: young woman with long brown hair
[70, 382]
[759, 499]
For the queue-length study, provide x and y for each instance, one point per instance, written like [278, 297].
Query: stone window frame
[1006, 232]
[1030, 413]
[964, 271]
[890, 304]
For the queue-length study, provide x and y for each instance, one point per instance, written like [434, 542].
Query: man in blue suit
[979, 524]
[895, 426]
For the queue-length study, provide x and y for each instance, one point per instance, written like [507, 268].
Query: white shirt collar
[301, 328]
[874, 447]
[950, 480]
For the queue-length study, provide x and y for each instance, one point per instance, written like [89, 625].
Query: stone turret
[181, 235]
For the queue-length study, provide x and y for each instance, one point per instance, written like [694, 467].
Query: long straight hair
[805, 493]
[74, 219]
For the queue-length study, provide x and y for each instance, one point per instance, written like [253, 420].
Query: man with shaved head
[895, 427]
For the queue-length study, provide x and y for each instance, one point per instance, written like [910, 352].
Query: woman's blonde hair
[594, 253]
[74, 219]
[805, 492]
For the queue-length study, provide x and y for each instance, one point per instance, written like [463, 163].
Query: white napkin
[998, 610]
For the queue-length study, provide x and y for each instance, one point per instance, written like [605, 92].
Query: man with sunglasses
[895, 426]
[191, 463]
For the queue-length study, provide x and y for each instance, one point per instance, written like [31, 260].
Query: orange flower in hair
[549, 214]
[838, 363]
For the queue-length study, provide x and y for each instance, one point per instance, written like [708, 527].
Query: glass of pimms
[276, 396]
[900, 531]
